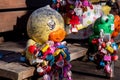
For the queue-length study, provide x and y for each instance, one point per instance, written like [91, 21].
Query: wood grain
[9, 19]
[16, 71]
[10, 4]
[7, 4]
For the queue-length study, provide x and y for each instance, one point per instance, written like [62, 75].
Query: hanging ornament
[107, 68]
[46, 77]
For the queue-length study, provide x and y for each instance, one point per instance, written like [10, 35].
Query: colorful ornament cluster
[46, 49]
[106, 48]
[51, 59]
[107, 53]
[78, 14]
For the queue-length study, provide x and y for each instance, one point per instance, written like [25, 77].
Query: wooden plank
[6, 4]
[9, 4]
[16, 71]
[1, 40]
[76, 51]
[8, 20]
[2, 63]
[13, 46]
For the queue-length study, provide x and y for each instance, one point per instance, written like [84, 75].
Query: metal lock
[74, 29]
[110, 49]
[107, 58]
[45, 47]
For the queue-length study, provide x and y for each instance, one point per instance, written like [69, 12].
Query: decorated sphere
[42, 22]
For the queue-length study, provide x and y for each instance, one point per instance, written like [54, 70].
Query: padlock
[102, 63]
[99, 47]
[80, 26]
[110, 49]
[60, 63]
[114, 46]
[56, 52]
[74, 30]
[103, 51]
[78, 11]
[114, 57]
[91, 58]
[103, 44]
[44, 63]
[46, 77]
[100, 40]
[95, 41]
[107, 68]
[43, 70]
[40, 70]
[39, 60]
[85, 3]
[54, 1]
[45, 47]
[63, 53]
[107, 58]
[69, 74]
[63, 2]
[32, 49]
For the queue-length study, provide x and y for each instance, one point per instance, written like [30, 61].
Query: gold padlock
[56, 52]
[45, 47]
[80, 26]
[45, 63]
[110, 49]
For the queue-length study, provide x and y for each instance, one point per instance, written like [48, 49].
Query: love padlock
[102, 63]
[114, 57]
[107, 58]
[107, 68]
[110, 49]
[114, 46]
[74, 30]
[104, 51]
